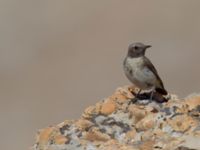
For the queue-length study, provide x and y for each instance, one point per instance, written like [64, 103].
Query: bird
[140, 70]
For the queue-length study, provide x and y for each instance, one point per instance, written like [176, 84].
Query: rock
[193, 101]
[83, 124]
[108, 107]
[147, 145]
[114, 123]
[60, 139]
[182, 123]
[146, 123]
[45, 135]
[184, 148]
[96, 135]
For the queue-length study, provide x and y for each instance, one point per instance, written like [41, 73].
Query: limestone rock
[116, 124]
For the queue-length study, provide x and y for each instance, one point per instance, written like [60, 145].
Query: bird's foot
[159, 98]
[148, 97]
[133, 100]
[138, 97]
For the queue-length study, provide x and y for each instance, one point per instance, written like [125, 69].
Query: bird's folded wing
[151, 67]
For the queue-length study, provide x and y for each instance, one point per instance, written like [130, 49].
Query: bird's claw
[147, 96]
[133, 100]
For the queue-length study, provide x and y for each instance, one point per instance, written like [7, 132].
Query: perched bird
[140, 71]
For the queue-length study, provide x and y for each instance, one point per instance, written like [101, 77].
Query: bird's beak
[147, 46]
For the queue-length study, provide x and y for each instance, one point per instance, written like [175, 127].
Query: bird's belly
[143, 79]
[140, 76]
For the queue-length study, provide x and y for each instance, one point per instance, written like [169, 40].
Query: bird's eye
[136, 47]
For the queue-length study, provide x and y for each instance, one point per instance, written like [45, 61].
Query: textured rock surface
[114, 124]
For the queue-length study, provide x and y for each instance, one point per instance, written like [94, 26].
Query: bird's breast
[134, 63]
[137, 73]
[131, 67]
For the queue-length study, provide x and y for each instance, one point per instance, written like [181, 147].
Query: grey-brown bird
[140, 71]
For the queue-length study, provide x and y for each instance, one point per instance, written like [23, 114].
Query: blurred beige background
[58, 57]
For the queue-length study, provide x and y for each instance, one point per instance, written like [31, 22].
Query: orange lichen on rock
[108, 107]
[45, 135]
[83, 124]
[89, 112]
[131, 134]
[115, 145]
[146, 123]
[193, 101]
[182, 123]
[138, 112]
[96, 135]
[60, 139]
[148, 145]
[122, 94]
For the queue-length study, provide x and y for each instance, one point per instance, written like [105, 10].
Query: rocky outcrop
[116, 124]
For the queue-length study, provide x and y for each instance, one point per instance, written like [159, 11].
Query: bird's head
[137, 49]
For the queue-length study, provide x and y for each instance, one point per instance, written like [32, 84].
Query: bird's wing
[151, 67]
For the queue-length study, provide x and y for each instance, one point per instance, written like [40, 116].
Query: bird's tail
[161, 91]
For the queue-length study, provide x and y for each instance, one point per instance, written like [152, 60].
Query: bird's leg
[151, 96]
[136, 97]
